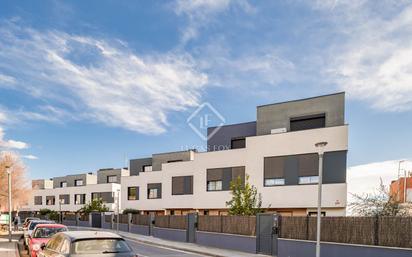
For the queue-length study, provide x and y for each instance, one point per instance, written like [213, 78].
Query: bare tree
[19, 182]
[380, 203]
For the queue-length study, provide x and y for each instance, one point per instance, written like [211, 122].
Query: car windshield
[34, 224]
[47, 232]
[96, 246]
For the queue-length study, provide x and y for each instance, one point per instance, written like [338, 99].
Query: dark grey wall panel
[274, 116]
[227, 177]
[334, 167]
[227, 241]
[295, 248]
[221, 140]
[170, 234]
[138, 229]
[136, 165]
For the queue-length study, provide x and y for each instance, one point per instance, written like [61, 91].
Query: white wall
[88, 189]
[300, 196]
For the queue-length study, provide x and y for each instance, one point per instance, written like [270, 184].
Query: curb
[157, 244]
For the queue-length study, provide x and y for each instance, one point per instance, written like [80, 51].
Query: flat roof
[303, 99]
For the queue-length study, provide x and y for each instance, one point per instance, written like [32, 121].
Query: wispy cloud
[202, 12]
[30, 157]
[374, 61]
[10, 143]
[99, 79]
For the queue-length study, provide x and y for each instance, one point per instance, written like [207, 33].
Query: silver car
[86, 243]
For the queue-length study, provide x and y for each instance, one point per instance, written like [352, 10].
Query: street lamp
[118, 209]
[9, 183]
[321, 148]
[60, 211]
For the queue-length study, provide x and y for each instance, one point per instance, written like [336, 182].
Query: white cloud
[99, 80]
[30, 157]
[201, 12]
[6, 80]
[374, 63]
[11, 144]
[363, 179]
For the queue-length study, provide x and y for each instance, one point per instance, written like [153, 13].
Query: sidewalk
[188, 247]
[8, 249]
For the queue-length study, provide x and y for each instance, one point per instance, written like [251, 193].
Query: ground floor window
[274, 181]
[309, 180]
[214, 185]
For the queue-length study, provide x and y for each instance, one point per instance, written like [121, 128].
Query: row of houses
[276, 151]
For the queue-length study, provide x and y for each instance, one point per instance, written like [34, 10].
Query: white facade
[72, 191]
[252, 157]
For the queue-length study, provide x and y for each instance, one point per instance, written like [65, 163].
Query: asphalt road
[146, 250]
[141, 249]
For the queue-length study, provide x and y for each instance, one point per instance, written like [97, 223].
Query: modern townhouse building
[70, 193]
[277, 152]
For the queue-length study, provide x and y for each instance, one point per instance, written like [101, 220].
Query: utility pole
[320, 146]
[398, 196]
[10, 207]
[118, 209]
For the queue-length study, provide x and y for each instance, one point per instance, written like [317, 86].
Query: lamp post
[9, 189]
[321, 148]
[118, 209]
[60, 211]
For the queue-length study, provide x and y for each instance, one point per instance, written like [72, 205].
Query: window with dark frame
[63, 184]
[154, 191]
[79, 199]
[237, 143]
[218, 179]
[112, 179]
[274, 171]
[308, 122]
[182, 185]
[38, 200]
[132, 193]
[146, 168]
[78, 182]
[50, 200]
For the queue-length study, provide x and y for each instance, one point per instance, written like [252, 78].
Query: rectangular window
[307, 122]
[237, 143]
[225, 176]
[308, 165]
[107, 197]
[112, 179]
[63, 184]
[64, 199]
[182, 185]
[214, 185]
[154, 191]
[315, 214]
[78, 182]
[50, 200]
[38, 200]
[132, 193]
[308, 180]
[274, 181]
[170, 161]
[147, 168]
[79, 199]
[274, 170]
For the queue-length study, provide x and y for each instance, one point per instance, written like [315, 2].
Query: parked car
[86, 243]
[41, 235]
[27, 221]
[31, 227]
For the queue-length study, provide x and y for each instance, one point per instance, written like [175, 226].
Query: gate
[267, 231]
[96, 219]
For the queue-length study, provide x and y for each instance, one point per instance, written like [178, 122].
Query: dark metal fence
[382, 231]
[241, 225]
[138, 219]
[171, 221]
[124, 218]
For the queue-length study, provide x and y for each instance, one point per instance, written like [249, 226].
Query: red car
[41, 235]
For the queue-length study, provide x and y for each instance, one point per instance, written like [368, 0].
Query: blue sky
[86, 84]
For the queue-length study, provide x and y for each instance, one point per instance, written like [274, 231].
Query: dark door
[96, 220]
[266, 234]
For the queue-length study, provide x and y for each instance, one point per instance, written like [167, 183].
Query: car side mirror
[43, 245]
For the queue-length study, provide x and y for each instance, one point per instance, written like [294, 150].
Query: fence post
[376, 231]
[77, 219]
[151, 218]
[191, 227]
[90, 219]
[129, 222]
